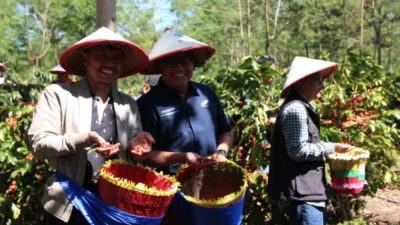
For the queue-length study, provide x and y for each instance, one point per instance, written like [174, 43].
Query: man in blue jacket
[185, 118]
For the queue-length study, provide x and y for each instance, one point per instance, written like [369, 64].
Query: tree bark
[241, 28]
[249, 26]
[154, 20]
[36, 54]
[106, 14]
[276, 17]
[267, 41]
[362, 26]
[346, 32]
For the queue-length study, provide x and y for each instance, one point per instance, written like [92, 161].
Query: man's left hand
[218, 157]
[141, 144]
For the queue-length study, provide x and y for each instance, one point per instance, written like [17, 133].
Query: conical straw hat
[172, 42]
[3, 68]
[135, 59]
[302, 67]
[58, 69]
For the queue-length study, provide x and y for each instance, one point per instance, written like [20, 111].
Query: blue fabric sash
[193, 214]
[95, 210]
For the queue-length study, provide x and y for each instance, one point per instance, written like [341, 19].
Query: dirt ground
[384, 208]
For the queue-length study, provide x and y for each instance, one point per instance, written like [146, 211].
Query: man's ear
[146, 88]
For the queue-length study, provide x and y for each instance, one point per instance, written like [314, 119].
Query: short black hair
[265, 59]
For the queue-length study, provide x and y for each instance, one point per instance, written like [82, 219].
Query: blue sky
[163, 11]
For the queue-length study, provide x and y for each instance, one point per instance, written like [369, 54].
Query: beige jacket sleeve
[46, 133]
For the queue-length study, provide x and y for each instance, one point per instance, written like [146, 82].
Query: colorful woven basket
[348, 171]
[135, 189]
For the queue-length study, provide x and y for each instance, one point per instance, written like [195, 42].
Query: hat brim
[200, 55]
[58, 71]
[135, 58]
[325, 73]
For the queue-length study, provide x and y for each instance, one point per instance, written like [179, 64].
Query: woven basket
[348, 171]
[135, 189]
[218, 186]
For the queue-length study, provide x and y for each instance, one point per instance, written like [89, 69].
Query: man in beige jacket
[72, 117]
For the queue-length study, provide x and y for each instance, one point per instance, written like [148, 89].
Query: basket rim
[364, 154]
[139, 187]
[224, 199]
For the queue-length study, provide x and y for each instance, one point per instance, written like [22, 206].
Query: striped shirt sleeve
[295, 131]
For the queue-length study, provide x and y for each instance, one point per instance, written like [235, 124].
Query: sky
[163, 11]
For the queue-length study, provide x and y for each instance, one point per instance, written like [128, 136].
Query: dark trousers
[297, 213]
[76, 219]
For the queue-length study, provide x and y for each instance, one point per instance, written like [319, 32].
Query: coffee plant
[21, 175]
[250, 94]
[358, 107]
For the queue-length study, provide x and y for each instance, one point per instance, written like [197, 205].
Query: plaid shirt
[295, 131]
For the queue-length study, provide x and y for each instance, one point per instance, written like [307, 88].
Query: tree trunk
[362, 26]
[276, 18]
[106, 14]
[154, 20]
[36, 54]
[346, 32]
[249, 26]
[389, 64]
[267, 41]
[241, 28]
[378, 34]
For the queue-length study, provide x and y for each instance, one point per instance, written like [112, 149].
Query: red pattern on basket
[347, 185]
[131, 201]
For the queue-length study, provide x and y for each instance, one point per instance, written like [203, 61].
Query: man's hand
[141, 144]
[196, 161]
[104, 148]
[342, 148]
[218, 157]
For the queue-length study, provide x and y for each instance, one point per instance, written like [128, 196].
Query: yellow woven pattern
[346, 165]
[139, 187]
[227, 165]
[351, 160]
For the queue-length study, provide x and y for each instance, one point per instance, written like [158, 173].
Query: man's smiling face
[103, 64]
[177, 71]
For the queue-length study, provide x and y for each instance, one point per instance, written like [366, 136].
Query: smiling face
[177, 70]
[103, 64]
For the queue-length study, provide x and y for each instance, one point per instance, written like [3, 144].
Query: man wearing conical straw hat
[77, 126]
[297, 172]
[185, 118]
[62, 75]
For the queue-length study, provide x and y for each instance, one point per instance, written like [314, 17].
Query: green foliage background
[363, 35]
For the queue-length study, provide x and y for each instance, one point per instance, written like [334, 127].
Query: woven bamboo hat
[135, 59]
[172, 42]
[3, 68]
[303, 67]
[58, 69]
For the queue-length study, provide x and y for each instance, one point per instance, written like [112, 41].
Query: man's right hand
[194, 160]
[104, 149]
[342, 148]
